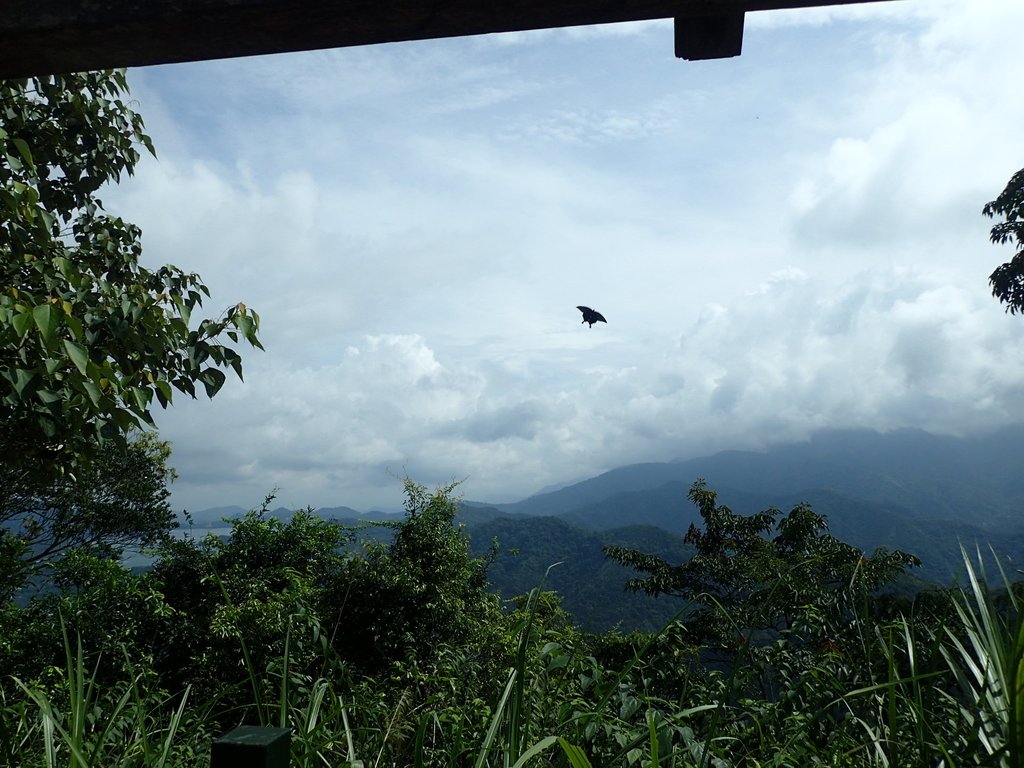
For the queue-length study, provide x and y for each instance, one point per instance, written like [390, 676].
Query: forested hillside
[974, 480]
[908, 490]
[591, 586]
[903, 490]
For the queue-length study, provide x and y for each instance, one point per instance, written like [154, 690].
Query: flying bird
[591, 316]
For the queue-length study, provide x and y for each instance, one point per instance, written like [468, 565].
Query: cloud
[892, 348]
[592, 127]
[781, 242]
[883, 350]
[928, 141]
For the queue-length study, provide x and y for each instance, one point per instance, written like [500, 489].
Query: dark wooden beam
[54, 36]
[709, 36]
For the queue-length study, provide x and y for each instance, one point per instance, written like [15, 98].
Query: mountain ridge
[908, 489]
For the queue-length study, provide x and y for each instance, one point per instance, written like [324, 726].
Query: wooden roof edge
[54, 36]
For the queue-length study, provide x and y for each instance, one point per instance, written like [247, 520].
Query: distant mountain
[977, 480]
[910, 490]
[347, 513]
[215, 515]
[907, 490]
[592, 587]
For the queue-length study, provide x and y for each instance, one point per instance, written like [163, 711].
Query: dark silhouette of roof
[53, 36]
[591, 316]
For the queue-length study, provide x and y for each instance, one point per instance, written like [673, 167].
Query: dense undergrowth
[398, 655]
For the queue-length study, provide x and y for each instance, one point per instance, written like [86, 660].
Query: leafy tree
[118, 500]
[742, 579]
[1007, 280]
[405, 600]
[243, 591]
[88, 337]
[96, 599]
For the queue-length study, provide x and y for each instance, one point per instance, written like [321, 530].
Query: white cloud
[883, 350]
[781, 242]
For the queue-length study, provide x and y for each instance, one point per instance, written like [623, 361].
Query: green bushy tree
[119, 499]
[1007, 280]
[423, 590]
[89, 338]
[241, 595]
[743, 580]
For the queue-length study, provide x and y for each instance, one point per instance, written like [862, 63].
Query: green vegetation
[784, 648]
[89, 338]
[589, 584]
[786, 651]
[1007, 280]
[118, 499]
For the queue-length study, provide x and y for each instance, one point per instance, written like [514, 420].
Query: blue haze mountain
[977, 480]
[908, 489]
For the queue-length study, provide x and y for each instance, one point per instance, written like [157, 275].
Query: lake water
[135, 559]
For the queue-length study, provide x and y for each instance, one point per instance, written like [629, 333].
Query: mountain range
[907, 489]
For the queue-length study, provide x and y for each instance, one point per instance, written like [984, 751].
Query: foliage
[402, 601]
[1007, 280]
[250, 629]
[88, 337]
[743, 581]
[119, 499]
[241, 595]
[589, 584]
[113, 611]
[989, 665]
[85, 723]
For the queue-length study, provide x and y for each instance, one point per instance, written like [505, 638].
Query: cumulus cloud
[883, 350]
[782, 242]
[929, 139]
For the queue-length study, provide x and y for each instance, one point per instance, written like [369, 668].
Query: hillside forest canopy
[787, 646]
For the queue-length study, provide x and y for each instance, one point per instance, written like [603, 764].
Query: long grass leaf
[496, 719]
[575, 755]
[172, 728]
[541, 746]
[652, 729]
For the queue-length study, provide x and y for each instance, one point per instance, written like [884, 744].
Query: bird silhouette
[591, 316]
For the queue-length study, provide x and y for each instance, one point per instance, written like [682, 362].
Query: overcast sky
[781, 242]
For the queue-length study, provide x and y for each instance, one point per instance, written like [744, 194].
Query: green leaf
[75, 326]
[95, 396]
[213, 380]
[541, 746]
[22, 321]
[23, 380]
[79, 356]
[245, 324]
[24, 151]
[49, 396]
[163, 392]
[64, 266]
[141, 397]
[575, 755]
[47, 320]
[47, 217]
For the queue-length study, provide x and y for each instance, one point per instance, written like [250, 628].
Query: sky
[782, 242]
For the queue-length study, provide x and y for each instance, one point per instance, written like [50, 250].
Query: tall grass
[911, 695]
[987, 659]
[128, 725]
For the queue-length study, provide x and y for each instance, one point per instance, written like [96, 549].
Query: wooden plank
[707, 36]
[52, 36]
